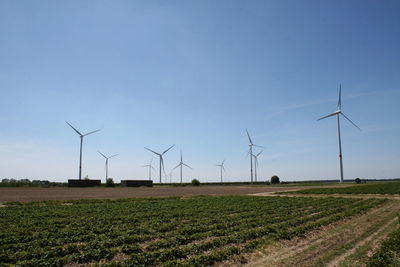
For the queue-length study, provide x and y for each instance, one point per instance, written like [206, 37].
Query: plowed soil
[65, 193]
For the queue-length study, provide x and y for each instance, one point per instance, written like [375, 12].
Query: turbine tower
[161, 158]
[221, 166]
[181, 164]
[150, 166]
[80, 153]
[256, 164]
[337, 113]
[107, 158]
[251, 153]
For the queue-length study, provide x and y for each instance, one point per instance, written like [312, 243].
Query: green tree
[110, 182]
[275, 180]
[195, 182]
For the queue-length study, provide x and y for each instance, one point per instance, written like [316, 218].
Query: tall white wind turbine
[337, 113]
[256, 164]
[107, 158]
[80, 153]
[221, 166]
[150, 166]
[181, 164]
[251, 145]
[161, 158]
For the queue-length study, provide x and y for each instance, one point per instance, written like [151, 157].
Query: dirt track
[65, 193]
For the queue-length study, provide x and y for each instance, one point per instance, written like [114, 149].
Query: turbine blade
[327, 116]
[248, 153]
[92, 132]
[152, 151]
[113, 156]
[168, 149]
[102, 154]
[248, 135]
[176, 166]
[351, 121]
[259, 153]
[152, 167]
[339, 105]
[162, 163]
[258, 146]
[187, 166]
[223, 162]
[73, 128]
[223, 168]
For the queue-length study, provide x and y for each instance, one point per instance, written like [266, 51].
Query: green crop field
[173, 231]
[374, 188]
[389, 253]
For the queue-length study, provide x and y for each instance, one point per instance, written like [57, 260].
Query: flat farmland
[65, 193]
[200, 226]
[175, 231]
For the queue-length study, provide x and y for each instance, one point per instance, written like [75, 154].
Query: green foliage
[389, 252]
[373, 188]
[195, 182]
[196, 231]
[27, 183]
[110, 182]
[275, 179]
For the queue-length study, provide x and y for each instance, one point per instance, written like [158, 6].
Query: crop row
[374, 188]
[389, 252]
[164, 231]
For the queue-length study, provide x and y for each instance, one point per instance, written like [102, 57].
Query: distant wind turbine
[181, 164]
[107, 158]
[170, 176]
[256, 164]
[251, 153]
[337, 113]
[150, 166]
[161, 158]
[80, 154]
[221, 166]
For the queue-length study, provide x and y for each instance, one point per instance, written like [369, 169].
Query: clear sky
[197, 74]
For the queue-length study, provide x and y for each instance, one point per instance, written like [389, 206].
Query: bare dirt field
[65, 193]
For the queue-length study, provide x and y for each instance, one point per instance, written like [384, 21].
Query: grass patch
[376, 188]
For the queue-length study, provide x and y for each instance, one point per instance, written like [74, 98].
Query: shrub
[195, 182]
[110, 182]
[267, 182]
[357, 180]
[274, 179]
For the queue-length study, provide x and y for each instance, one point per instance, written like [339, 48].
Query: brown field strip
[65, 193]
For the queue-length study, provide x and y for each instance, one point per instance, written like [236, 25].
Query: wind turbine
[256, 164]
[107, 158]
[337, 113]
[150, 166]
[170, 176]
[80, 154]
[181, 164]
[161, 158]
[221, 167]
[251, 153]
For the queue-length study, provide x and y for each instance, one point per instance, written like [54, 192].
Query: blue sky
[197, 74]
